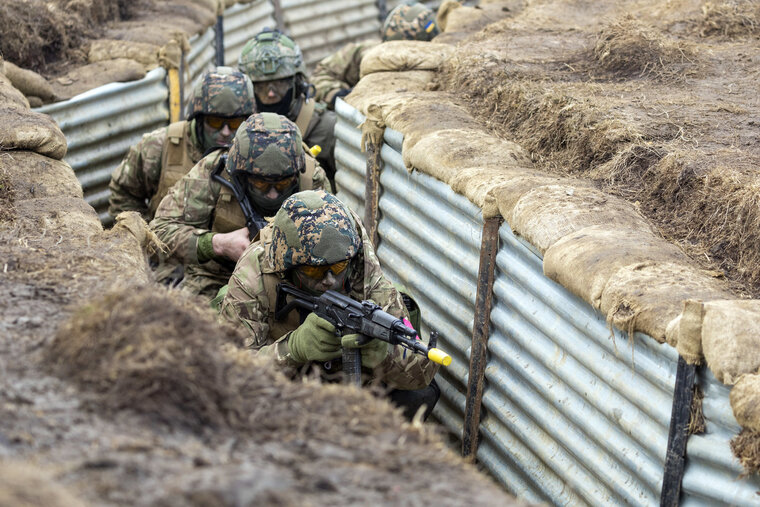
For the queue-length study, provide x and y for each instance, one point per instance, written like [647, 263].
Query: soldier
[338, 73]
[202, 220]
[222, 99]
[274, 63]
[316, 243]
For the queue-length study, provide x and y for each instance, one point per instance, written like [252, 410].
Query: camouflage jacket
[321, 131]
[190, 210]
[340, 71]
[250, 301]
[135, 181]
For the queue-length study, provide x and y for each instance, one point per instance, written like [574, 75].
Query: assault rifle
[353, 317]
[253, 221]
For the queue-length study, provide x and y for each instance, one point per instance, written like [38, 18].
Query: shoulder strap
[306, 178]
[305, 114]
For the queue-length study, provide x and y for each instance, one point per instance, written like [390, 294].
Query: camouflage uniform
[197, 205]
[250, 297]
[339, 71]
[270, 56]
[163, 156]
[335, 75]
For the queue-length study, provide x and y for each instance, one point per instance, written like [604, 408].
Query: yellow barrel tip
[439, 356]
[315, 150]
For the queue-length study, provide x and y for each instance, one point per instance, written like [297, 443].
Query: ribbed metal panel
[241, 23]
[712, 472]
[322, 26]
[433, 4]
[100, 126]
[573, 414]
[199, 59]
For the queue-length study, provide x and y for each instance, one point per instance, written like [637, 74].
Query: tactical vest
[229, 217]
[304, 115]
[270, 282]
[175, 161]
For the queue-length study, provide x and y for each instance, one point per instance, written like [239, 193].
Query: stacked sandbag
[598, 246]
[35, 87]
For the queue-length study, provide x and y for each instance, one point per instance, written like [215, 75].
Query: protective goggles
[319, 272]
[264, 186]
[217, 122]
[277, 86]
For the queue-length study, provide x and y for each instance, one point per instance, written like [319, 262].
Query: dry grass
[746, 448]
[733, 18]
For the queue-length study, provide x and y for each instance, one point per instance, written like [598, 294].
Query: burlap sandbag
[685, 331]
[39, 176]
[402, 55]
[27, 130]
[25, 485]
[584, 261]
[647, 296]
[93, 75]
[745, 401]
[60, 216]
[547, 214]
[443, 153]
[442, 15]
[141, 52]
[10, 96]
[388, 88]
[731, 338]
[505, 197]
[30, 83]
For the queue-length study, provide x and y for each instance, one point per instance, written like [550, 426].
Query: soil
[655, 102]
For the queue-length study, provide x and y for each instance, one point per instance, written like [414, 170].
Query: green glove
[373, 352]
[314, 340]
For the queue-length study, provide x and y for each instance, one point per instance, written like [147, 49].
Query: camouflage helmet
[410, 22]
[271, 55]
[223, 92]
[267, 145]
[312, 228]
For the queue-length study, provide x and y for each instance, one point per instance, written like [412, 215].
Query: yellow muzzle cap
[439, 356]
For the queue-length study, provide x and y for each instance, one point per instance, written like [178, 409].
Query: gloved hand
[373, 351]
[314, 340]
[340, 93]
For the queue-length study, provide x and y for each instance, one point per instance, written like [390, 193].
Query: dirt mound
[681, 149]
[734, 18]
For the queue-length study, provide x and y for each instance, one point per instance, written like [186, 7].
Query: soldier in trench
[275, 64]
[202, 219]
[317, 243]
[338, 73]
[221, 101]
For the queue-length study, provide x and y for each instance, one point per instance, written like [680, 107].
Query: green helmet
[312, 228]
[271, 55]
[223, 92]
[267, 145]
[410, 22]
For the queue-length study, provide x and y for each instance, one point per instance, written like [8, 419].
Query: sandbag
[403, 55]
[584, 261]
[388, 88]
[141, 52]
[685, 332]
[97, 74]
[34, 176]
[64, 217]
[745, 401]
[547, 214]
[442, 16]
[647, 296]
[27, 130]
[10, 96]
[731, 338]
[30, 83]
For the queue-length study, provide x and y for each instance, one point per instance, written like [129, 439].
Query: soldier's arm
[339, 71]
[186, 212]
[246, 303]
[320, 180]
[135, 180]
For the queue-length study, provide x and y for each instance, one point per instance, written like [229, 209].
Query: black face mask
[282, 107]
[266, 206]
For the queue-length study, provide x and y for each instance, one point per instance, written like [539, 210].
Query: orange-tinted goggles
[264, 186]
[217, 122]
[319, 272]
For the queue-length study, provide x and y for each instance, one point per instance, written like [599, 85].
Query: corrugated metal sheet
[241, 23]
[100, 126]
[573, 414]
[199, 59]
[392, 4]
[322, 26]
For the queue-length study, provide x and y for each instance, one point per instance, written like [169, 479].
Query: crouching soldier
[317, 244]
[211, 215]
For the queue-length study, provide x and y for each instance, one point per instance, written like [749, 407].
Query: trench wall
[573, 413]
